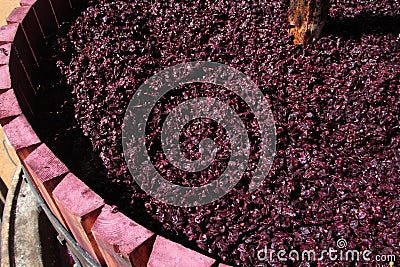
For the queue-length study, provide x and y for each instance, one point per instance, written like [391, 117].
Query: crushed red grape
[336, 104]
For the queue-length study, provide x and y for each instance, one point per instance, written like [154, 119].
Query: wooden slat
[7, 33]
[47, 171]
[5, 51]
[9, 108]
[27, 2]
[17, 15]
[5, 78]
[26, 16]
[122, 241]
[21, 84]
[45, 15]
[21, 136]
[26, 55]
[62, 9]
[80, 207]
[167, 253]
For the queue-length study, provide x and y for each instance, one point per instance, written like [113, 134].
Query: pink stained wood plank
[27, 2]
[26, 55]
[9, 107]
[34, 33]
[167, 253]
[62, 9]
[5, 78]
[45, 164]
[21, 136]
[5, 50]
[20, 41]
[21, 84]
[47, 171]
[122, 241]
[7, 33]
[46, 17]
[80, 207]
[26, 16]
[17, 15]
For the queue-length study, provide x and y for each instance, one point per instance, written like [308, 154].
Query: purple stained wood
[20, 134]
[18, 14]
[122, 241]
[47, 171]
[7, 33]
[5, 50]
[9, 107]
[80, 206]
[5, 79]
[167, 253]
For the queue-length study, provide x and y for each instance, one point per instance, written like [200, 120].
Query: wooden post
[307, 18]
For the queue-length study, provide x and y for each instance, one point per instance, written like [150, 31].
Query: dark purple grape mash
[336, 105]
